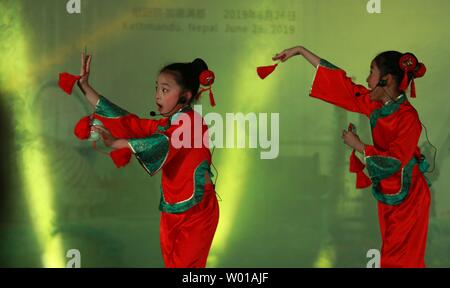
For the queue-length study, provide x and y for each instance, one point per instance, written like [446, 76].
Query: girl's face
[372, 80]
[167, 94]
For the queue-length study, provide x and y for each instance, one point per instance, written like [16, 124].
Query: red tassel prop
[356, 166]
[83, 128]
[362, 181]
[67, 81]
[121, 157]
[265, 71]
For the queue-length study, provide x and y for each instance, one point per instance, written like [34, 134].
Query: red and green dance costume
[394, 164]
[189, 208]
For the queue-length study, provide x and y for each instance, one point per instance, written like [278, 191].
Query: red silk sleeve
[121, 123]
[332, 85]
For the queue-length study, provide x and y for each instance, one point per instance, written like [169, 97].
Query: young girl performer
[394, 162]
[189, 208]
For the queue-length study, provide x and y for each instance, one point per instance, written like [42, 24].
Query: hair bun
[199, 65]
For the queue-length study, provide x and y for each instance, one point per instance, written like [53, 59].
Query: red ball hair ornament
[206, 79]
[409, 64]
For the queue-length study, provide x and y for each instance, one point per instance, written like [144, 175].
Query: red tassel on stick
[356, 166]
[67, 81]
[265, 71]
[121, 157]
[362, 181]
[83, 128]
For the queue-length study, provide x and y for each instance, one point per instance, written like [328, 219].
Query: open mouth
[159, 106]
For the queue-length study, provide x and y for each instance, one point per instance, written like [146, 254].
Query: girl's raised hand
[286, 54]
[85, 68]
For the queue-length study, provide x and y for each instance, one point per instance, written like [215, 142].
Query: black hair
[187, 75]
[388, 63]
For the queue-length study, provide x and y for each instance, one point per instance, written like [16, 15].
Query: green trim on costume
[107, 109]
[172, 118]
[398, 198]
[327, 64]
[151, 151]
[164, 128]
[423, 167]
[380, 167]
[197, 196]
[386, 110]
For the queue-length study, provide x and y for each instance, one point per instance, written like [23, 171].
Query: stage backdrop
[62, 200]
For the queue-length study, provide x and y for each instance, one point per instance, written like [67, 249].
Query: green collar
[386, 110]
[173, 117]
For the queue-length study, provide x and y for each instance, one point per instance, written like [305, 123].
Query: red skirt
[404, 227]
[187, 237]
